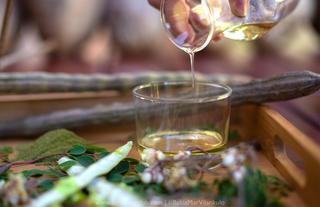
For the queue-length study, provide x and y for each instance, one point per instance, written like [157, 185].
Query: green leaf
[121, 168]
[226, 189]
[158, 188]
[103, 154]
[275, 203]
[4, 153]
[115, 177]
[140, 168]
[233, 135]
[130, 179]
[263, 190]
[33, 173]
[54, 142]
[95, 149]
[199, 187]
[46, 185]
[85, 160]
[56, 173]
[6, 150]
[139, 189]
[132, 161]
[77, 150]
[38, 173]
[255, 188]
[66, 165]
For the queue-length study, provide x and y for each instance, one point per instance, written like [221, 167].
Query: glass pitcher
[256, 17]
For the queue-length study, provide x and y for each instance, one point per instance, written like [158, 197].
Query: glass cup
[174, 116]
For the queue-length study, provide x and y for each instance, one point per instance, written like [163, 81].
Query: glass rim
[223, 96]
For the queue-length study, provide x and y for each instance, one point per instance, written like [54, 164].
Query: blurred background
[112, 36]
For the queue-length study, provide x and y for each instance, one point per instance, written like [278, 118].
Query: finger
[239, 7]
[155, 3]
[177, 15]
[195, 19]
[218, 37]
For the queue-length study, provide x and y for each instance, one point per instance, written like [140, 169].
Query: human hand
[238, 7]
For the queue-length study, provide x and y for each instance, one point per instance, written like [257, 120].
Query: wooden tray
[286, 151]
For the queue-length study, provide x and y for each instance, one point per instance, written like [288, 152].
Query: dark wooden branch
[42, 82]
[285, 87]
[280, 88]
[5, 23]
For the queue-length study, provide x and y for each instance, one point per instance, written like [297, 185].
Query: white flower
[146, 177]
[160, 155]
[183, 171]
[151, 156]
[160, 178]
[182, 155]
[241, 158]
[232, 151]
[239, 174]
[166, 171]
[2, 182]
[229, 160]
[148, 155]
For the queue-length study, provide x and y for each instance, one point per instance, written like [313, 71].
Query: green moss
[51, 143]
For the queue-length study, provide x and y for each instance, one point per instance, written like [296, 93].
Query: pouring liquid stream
[193, 77]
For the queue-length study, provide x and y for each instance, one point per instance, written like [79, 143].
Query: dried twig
[280, 88]
[42, 82]
[5, 23]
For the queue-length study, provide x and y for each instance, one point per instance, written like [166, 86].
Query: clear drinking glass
[174, 116]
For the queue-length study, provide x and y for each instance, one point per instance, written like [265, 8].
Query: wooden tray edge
[274, 127]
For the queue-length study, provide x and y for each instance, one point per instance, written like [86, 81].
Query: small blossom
[178, 178]
[160, 155]
[148, 155]
[151, 156]
[241, 158]
[229, 160]
[146, 177]
[239, 174]
[232, 151]
[182, 155]
[14, 191]
[160, 178]
[2, 182]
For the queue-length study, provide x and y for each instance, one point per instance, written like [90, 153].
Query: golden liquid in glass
[248, 31]
[171, 142]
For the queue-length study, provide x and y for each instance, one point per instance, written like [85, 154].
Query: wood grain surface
[252, 122]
